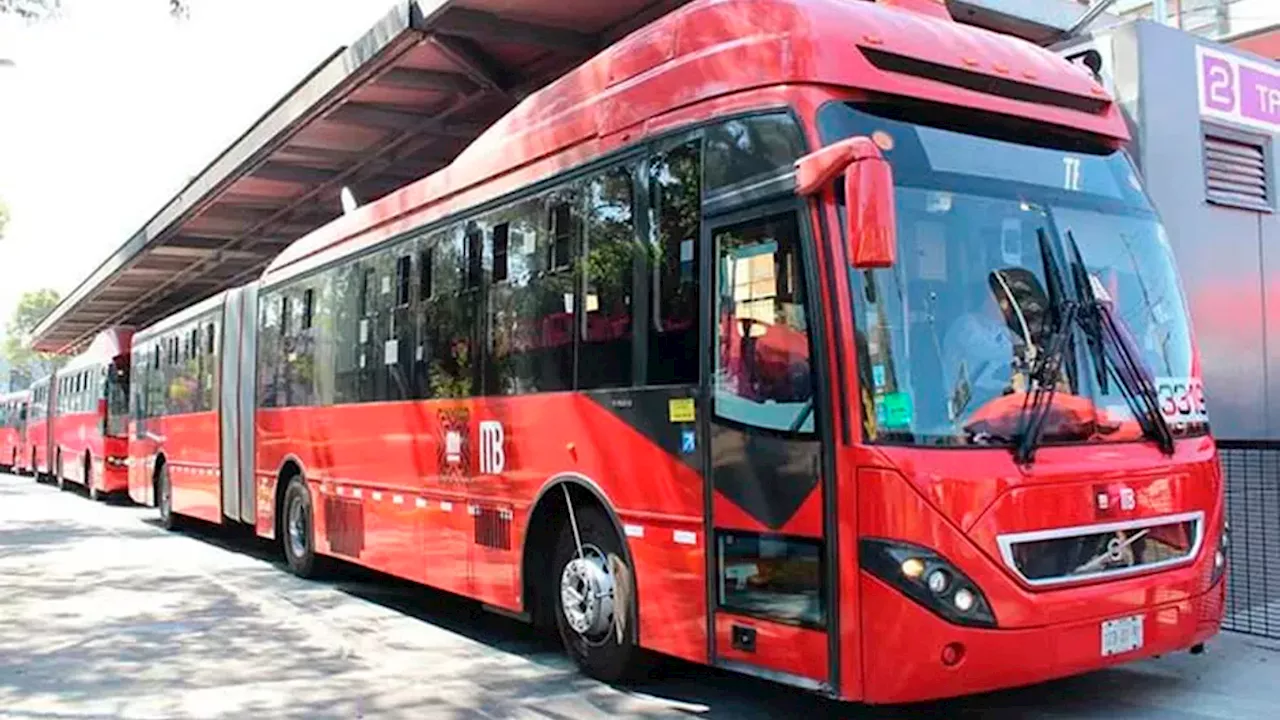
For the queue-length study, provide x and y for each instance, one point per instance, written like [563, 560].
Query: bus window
[744, 151]
[675, 226]
[762, 370]
[523, 302]
[610, 259]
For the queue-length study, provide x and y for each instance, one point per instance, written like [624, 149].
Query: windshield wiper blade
[1103, 331]
[1136, 386]
[1089, 320]
[1045, 376]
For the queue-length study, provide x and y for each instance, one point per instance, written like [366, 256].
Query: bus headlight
[929, 579]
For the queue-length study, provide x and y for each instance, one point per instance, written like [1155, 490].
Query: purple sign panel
[1238, 90]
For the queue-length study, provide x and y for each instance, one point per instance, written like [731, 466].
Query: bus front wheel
[595, 598]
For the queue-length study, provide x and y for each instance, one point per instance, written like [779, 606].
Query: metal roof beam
[178, 251]
[292, 174]
[481, 25]
[382, 118]
[478, 64]
[415, 79]
[298, 174]
[250, 202]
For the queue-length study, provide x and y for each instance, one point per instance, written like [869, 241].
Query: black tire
[297, 531]
[57, 472]
[94, 495]
[164, 500]
[602, 656]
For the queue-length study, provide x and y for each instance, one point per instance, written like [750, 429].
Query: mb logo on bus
[493, 458]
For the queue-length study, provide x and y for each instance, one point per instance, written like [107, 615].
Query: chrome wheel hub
[586, 593]
[297, 530]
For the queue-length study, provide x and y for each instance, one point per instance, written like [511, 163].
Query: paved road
[105, 615]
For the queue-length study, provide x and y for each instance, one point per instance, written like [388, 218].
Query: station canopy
[398, 104]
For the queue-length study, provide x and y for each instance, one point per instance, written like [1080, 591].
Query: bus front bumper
[913, 655]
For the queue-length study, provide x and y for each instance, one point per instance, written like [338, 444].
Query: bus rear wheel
[297, 536]
[595, 599]
[88, 480]
[164, 500]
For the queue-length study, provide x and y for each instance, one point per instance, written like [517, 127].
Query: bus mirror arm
[869, 207]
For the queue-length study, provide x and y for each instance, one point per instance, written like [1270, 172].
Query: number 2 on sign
[1071, 166]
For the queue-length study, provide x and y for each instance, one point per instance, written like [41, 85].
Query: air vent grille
[344, 526]
[1235, 172]
[983, 83]
[492, 527]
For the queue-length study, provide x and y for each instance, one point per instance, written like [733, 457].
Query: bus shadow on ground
[701, 691]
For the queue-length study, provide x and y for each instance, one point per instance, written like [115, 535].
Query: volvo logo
[1115, 549]
[1118, 551]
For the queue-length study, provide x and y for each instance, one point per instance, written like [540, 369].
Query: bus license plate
[1121, 635]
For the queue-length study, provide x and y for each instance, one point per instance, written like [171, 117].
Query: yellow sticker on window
[681, 410]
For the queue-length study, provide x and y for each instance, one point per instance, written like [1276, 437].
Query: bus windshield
[989, 234]
[118, 398]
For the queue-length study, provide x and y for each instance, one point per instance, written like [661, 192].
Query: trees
[32, 307]
[40, 9]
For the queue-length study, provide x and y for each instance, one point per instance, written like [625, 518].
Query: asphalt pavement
[103, 614]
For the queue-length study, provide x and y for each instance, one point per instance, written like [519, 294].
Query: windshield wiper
[1103, 329]
[1045, 376]
[1047, 367]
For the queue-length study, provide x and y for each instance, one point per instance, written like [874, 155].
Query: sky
[111, 107]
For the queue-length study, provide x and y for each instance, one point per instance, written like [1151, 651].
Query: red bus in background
[819, 340]
[175, 410]
[38, 444]
[13, 430]
[90, 427]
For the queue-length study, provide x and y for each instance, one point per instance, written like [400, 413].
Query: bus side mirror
[870, 216]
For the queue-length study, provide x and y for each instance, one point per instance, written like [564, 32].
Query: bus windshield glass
[995, 239]
[118, 398]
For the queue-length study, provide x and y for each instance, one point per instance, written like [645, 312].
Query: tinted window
[501, 237]
[612, 264]
[426, 267]
[742, 151]
[531, 341]
[404, 270]
[675, 221]
[560, 212]
[451, 330]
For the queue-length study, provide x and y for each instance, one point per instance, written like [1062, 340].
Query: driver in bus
[978, 352]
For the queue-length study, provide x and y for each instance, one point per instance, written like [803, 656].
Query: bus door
[766, 549]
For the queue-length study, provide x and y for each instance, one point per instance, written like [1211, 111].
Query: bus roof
[106, 346]
[716, 47]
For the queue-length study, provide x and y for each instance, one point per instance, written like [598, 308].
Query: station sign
[1238, 90]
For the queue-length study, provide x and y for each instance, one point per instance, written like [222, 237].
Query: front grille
[1091, 552]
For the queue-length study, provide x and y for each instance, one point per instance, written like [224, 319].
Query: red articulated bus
[90, 443]
[176, 440]
[13, 430]
[39, 435]
[832, 342]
